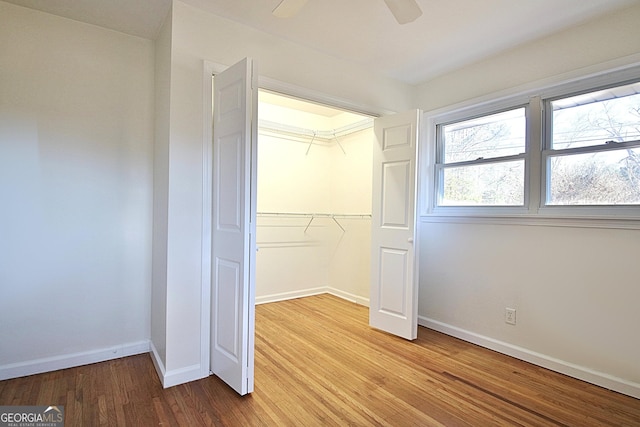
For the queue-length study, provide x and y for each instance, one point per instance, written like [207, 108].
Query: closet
[314, 200]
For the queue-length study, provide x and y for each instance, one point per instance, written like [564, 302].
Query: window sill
[544, 219]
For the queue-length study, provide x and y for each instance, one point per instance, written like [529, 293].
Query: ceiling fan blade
[288, 8]
[404, 11]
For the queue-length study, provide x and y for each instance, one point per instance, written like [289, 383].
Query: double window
[569, 151]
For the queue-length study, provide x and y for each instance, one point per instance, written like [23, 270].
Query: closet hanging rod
[312, 216]
[317, 215]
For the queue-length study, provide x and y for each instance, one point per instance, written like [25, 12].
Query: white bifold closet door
[393, 291]
[233, 254]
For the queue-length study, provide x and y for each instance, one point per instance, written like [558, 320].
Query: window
[569, 151]
[593, 151]
[482, 160]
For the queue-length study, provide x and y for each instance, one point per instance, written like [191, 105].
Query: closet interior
[314, 200]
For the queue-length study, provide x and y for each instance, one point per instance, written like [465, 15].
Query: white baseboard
[291, 295]
[182, 375]
[310, 292]
[47, 364]
[176, 376]
[580, 372]
[348, 296]
[157, 362]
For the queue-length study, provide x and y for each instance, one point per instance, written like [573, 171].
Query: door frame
[209, 70]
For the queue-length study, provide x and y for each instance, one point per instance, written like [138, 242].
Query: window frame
[441, 165]
[536, 210]
[477, 111]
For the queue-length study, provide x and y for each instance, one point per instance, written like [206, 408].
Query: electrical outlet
[510, 315]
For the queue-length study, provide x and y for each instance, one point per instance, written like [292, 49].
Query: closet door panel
[394, 300]
[233, 276]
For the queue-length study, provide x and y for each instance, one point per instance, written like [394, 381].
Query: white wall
[76, 111]
[161, 194]
[611, 39]
[199, 35]
[292, 261]
[575, 289]
[352, 180]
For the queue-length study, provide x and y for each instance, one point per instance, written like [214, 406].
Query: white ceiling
[449, 34]
[142, 18]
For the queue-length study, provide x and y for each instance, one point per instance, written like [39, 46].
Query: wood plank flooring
[318, 364]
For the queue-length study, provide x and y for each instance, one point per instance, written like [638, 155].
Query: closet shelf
[313, 216]
[325, 135]
[296, 133]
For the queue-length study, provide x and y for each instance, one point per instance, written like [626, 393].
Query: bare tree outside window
[479, 169]
[610, 176]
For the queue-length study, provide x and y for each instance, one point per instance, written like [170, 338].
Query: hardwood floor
[318, 363]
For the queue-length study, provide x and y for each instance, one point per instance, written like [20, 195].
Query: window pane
[493, 184]
[604, 178]
[597, 118]
[497, 135]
